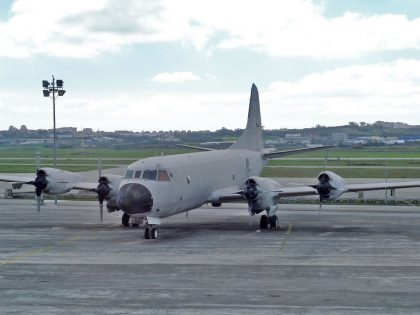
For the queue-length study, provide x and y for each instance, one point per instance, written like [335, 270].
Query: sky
[189, 65]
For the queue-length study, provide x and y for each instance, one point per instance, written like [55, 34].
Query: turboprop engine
[330, 186]
[107, 190]
[261, 194]
[54, 181]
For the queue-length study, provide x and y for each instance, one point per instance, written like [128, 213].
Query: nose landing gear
[150, 232]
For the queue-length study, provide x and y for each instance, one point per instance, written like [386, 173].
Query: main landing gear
[272, 222]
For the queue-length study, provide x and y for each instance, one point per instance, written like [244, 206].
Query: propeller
[250, 193]
[247, 189]
[323, 188]
[251, 190]
[102, 190]
[40, 182]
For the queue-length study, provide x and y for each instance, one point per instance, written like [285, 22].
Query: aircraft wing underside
[227, 196]
[15, 179]
[91, 186]
[380, 186]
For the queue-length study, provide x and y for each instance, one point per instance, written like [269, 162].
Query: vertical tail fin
[251, 139]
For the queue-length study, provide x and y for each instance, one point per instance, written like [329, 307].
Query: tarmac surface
[345, 260]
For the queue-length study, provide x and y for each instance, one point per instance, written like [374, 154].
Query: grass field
[372, 162]
[17, 160]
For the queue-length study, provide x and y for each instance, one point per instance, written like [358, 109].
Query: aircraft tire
[154, 233]
[263, 222]
[147, 234]
[274, 222]
[135, 225]
[125, 220]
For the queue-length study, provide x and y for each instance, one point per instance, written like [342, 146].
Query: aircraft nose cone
[134, 198]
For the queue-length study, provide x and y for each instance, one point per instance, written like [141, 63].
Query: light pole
[56, 86]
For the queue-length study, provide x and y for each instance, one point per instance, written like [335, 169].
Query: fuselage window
[137, 174]
[163, 176]
[150, 174]
[128, 174]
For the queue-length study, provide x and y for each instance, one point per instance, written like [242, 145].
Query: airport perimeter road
[347, 260]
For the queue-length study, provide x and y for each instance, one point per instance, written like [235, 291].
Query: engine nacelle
[330, 186]
[260, 193]
[58, 181]
[113, 182]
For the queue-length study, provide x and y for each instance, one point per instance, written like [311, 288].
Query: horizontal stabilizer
[272, 155]
[195, 147]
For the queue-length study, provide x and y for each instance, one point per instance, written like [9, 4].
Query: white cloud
[142, 111]
[383, 91]
[389, 91]
[86, 29]
[175, 77]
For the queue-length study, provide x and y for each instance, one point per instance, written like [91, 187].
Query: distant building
[87, 131]
[297, 138]
[340, 137]
[395, 125]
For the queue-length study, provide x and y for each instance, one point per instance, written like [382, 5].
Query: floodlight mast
[55, 134]
[54, 88]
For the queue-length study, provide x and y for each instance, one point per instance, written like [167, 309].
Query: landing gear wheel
[125, 220]
[274, 222]
[263, 222]
[154, 233]
[147, 234]
[135, 225]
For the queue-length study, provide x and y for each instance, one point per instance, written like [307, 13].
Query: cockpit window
[137, 174]
[150, 174]
[163, 176]
[128, 174]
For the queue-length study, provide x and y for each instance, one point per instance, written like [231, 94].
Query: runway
[345, 260]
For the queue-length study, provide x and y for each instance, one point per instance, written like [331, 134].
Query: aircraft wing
[231, 195]
[195, 147]
[296, 191]
[91, 186]
[271, 155]
[16, 179]
[310, 190]
[380, 186]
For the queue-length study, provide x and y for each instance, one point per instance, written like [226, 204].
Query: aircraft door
[179, 178]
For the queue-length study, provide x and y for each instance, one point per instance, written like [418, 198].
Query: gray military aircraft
[54, 181]
[159, 187]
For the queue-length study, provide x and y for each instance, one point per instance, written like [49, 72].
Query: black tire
[147, 234]
[154, 233]
[263, 222]
[125, 220]
[135, 225]
[274, 222]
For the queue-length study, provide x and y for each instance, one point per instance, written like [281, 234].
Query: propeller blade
[102, 190]
[101, 211]
[250, 216]
[38, 203]
[320, 206]
[40, 182]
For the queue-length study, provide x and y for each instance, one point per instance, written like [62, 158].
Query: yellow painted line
[42, 250]
[283, 244]
[23, 256]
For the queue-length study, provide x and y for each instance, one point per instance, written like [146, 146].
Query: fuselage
[166, 185]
